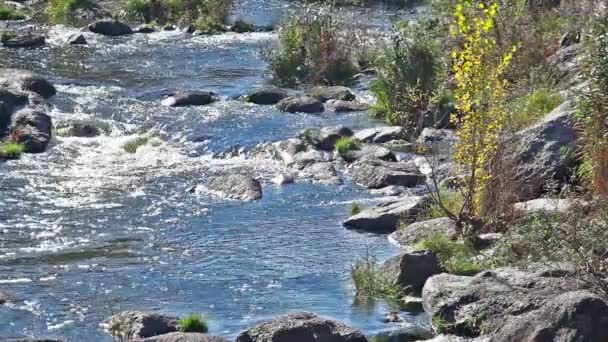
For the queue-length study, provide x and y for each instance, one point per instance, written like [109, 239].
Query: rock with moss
[325, 94]
[413, 233]
[184, 337]
[328, 136]
[238, 187]
[32, 129]
[190, 98]
[110, 28]
[133, 325]
[376, 174]
[25, 41]
[411, 270]
[301, 327]
[386, 217]
[25, 80]
[300, 104]
[267, 95]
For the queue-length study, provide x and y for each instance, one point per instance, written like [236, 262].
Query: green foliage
[209, 25]
[7, 13]
[132, 145]
[355, 208]
[11, 150]
[456, 257]
[453, 200]
[207, 15]
[62, 11]
[346, 144]
[528, 109]
[440, 324]
[193, 323]
[370, 282]
[312, 50]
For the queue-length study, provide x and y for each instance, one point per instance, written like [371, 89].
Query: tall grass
[193, 323]
[528, 109]
[346, 144]
[132, 145]
[62, 11]
[453, 200]
[11, 150]
[206, 15]
[456, 257]
[370, 282]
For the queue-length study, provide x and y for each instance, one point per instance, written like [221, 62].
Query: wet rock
[110, 28]
[340, 106]
[238, 187]
[6, 297]
[286, 150]
[307, 158]
[411, 304]
[77, 39]
[241, 26]
[376, 174]
[82, 128]
[282, 179]
[550, 205]
[183, 337]
[183, 99]
[268, 95]
[301, 327]
[169, 27]
[8, 100]
[25, 41]
[392, 190]
[385, 218]
[485, 302]
[328, 136]
[325, 94]
[380, 135]
[321, 172]
[139, 324]
[392, 317]
[418, 231]
[370, 152]
[411, 270]
[539, 152]
[32, 128]
[144, 28]
[300, 104]
[25, 80]
[407, 332]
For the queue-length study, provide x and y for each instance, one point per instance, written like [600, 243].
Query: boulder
[238, 187]
[110, 28]
[417, 231]
[300, 104]
[539, 152]
[301, 327]
[386, 217]
[190, 98]
[372, 152]
[307, 158]
[320, 172]
[25, 80]
[183, 337]
[32, 128]
[268, 95]
[488, 300]
[8, 100]
[433, 136]
[550, 205]
[411, 270]
[82, 128]
[286, 150]
[569, 317]
[380, 135]
[328, 136]
[325, 94]
[568, 63]
[24, 41]
[133, 325]
[76, 39]
[144, 28]
[376, 174]
[340, 106]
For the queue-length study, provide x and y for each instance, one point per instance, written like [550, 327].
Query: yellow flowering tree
[478, 67]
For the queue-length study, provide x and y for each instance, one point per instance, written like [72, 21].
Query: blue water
[87, 230]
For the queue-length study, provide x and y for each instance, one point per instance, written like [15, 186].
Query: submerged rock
[144, 28]
[139, 324]
[184, 337]
[381, 134]
[267, 95]
[77, 39]
[32, 128]
[300, 104]
[237, 187]
[24, 41]
[376, 174]
[385, 218]
[411, 270]
[25, 80]
[340, 106]
[82, 128]
[301, 327]
[407, 332]
[418, 231]
[110, 28]
[325, 94]
[183, 99]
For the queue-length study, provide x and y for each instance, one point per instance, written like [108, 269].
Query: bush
[11, 150]
[7, 13]
[456, 257]
[62, 11]
[193, 323]
[207, 15]
[312, 50]
[346, 144]
[371, 282]
[132, 145]
[528, 109]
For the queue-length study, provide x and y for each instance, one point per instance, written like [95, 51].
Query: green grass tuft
[7, 13]
[132, 145]
[11, 150]
[355, 208]
[453, 200]
[440, 324]
[455, 256]
[193, 323]
[370, 282]
[345, 144]
[528, 109]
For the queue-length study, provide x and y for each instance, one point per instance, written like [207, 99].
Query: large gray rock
[301, 327]
[300, 104]
[380, 134]
[268, 95]
[569, 317]
[411, 270]
[25, 80]
[190, 98]
[539, 152]
[567, 62]
[25, 41]
[110, 28]
[238, 187]
[286, 150]
[417, 231]
[320, 172]
[32, 128]
[8, 100]
[131, 325]
[183, 337]
[340, 106]
[386, 218]
[482, 303]
[370, 152]
[376, 174]
[431, 136]
[332, 93]
[328, 136]
[549, 205]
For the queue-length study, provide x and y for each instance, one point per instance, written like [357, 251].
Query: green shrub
[453, 200]
[209, 25]
[7, 13]
[132, 145]
[440, 324]
[370, 282]
[62, 11]
[346, 144]
[193, 323]
[11, 150]
[312, 50]
[456, 257]
[204, 14]
[355, 208]
[528, 109]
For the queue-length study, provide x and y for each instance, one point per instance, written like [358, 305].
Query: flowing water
[87, 229]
